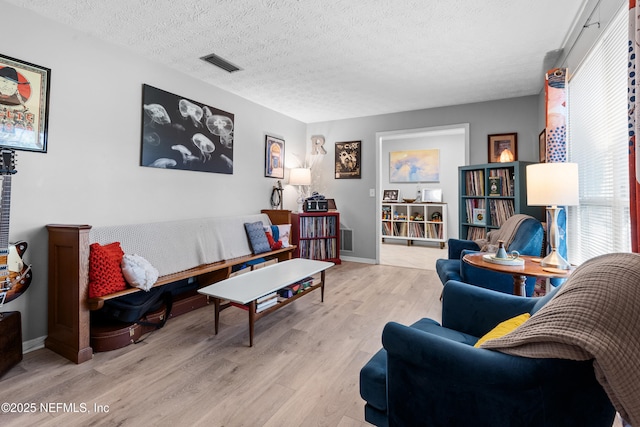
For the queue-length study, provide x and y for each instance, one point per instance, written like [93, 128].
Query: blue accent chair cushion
[528, 241]
[429, 374]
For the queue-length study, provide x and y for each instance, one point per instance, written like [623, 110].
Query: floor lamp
[300, 177]
[553, 185]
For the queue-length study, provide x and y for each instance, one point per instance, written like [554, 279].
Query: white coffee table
[246, 288]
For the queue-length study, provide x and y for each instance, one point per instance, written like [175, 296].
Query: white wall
[91, 173]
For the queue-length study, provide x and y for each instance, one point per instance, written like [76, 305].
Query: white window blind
[598, 141]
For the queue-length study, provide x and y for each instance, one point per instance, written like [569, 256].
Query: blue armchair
[528, 240]
[431, 375]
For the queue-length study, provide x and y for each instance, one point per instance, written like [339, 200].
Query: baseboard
[356, 259]
[34, 344]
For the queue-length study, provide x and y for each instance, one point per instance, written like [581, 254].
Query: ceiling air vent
[221, 63]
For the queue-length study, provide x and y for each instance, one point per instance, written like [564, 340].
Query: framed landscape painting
[414, 166]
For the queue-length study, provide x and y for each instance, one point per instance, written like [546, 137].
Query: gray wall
[91, 173]
[357, 208]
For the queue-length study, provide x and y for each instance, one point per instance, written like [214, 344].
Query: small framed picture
[503, 147]
[391, 195]
[348, 155]
[274, 157]
[431, 195]
[542, 146]
[24, 105]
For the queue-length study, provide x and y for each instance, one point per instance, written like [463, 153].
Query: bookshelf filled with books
[491, 193]
[415, 222]
[317, 235]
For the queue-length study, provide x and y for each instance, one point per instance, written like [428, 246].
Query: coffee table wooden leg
[252, 321]
[322, 286]
[216, 305]
[518, 285]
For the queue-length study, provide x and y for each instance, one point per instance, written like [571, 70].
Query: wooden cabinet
[425, 222]
[278, 216]
[491, 193]
[317, 235]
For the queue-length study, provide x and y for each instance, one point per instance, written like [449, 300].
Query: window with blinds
[598, 142]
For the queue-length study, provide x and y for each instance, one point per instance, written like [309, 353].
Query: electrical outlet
[372, 192]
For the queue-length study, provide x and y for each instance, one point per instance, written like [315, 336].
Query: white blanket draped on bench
[174, 246]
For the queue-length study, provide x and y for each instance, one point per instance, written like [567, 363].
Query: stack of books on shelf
[319, 249]
[471, 205]
[501, 210]
[434, 231]
[386, 229]
[475, 233]
[400, 229]
[475, 182]
[296, 288]
[266, 301]
[321, 226]
[416, 229]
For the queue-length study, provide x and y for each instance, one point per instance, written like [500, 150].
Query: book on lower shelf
[267, 303]
[297, 287]
[479, 216]
[476, 233]
[267, 297]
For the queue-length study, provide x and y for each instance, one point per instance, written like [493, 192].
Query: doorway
[452, 144]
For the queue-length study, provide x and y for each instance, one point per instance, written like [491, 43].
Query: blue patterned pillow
[257, 237]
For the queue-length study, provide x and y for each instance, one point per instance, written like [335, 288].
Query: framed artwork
[542, 145]
[24, 105]
[414, 166]
[274, 157]
[179, 133]
[503, 147]
[348, 159]
[431, 195]
[390, 195]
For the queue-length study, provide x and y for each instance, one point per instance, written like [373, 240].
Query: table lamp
[300, 177]
[550, 185]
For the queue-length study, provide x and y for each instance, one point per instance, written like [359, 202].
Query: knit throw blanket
[506, 232]
[595, 316]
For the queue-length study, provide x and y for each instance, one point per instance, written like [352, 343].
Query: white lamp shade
[552, 184]
[300, 176]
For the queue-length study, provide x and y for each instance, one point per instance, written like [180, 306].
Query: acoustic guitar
[15, 276]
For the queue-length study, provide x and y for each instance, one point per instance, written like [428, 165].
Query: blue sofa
[528, 241]
[429, 374]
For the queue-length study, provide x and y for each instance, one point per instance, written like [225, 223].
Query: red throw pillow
[272, 243]
[105, 273]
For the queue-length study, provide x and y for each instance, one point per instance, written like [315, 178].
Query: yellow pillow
[503, 328]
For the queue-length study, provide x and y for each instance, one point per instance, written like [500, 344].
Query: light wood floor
[302, 371]
[419, 255]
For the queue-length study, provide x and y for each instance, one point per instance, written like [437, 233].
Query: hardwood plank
[303, 369]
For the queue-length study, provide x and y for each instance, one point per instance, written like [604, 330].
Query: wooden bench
[69, 304]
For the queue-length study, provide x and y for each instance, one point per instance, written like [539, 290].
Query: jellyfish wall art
[179, 133]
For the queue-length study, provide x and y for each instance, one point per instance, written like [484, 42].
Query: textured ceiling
[334, 59]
